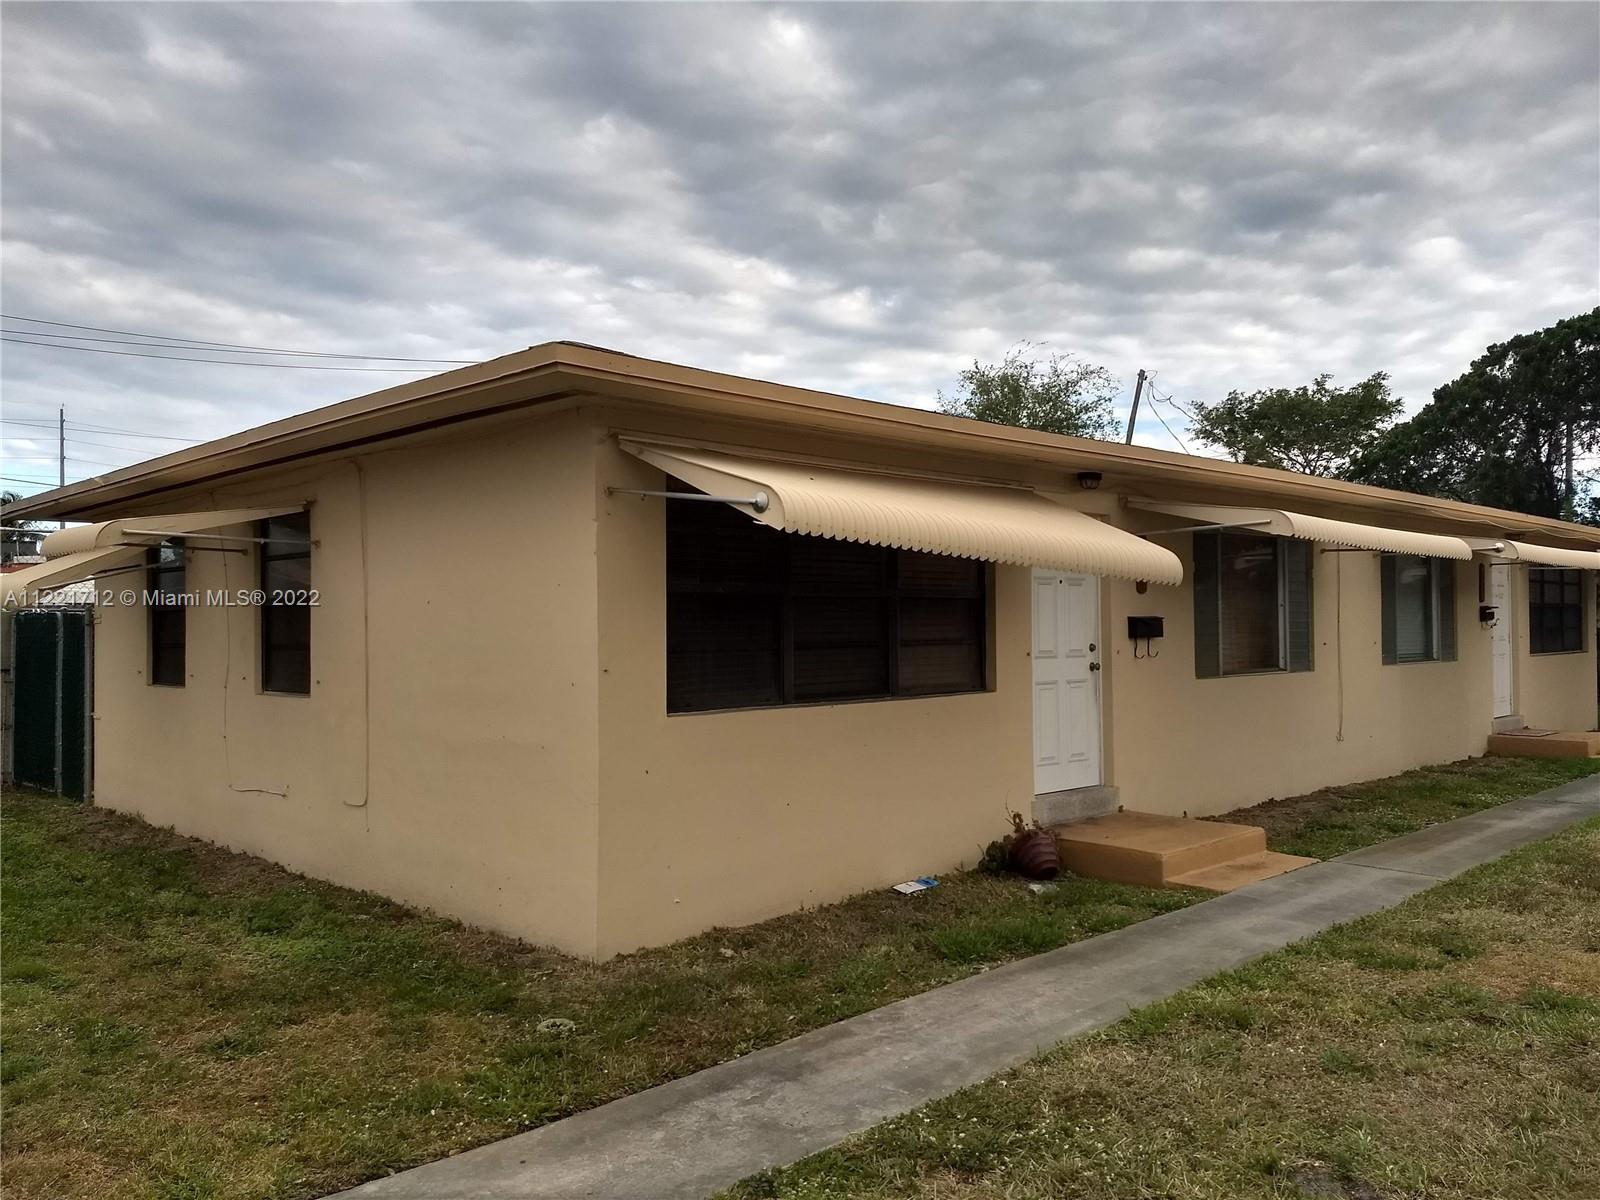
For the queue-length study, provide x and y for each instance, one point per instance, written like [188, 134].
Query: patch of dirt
[1288, 813]
[1319, 1181]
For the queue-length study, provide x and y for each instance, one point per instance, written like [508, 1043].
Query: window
[168, 616]
[1555, 611]
[1252, 603]
[1419, 608]
[285, 611]
[756, 617]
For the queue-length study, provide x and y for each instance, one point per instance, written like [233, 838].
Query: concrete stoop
[1157, 851]
[1546, 743]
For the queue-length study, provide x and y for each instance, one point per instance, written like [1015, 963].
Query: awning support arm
[217, 537]
[760, 501]
[1205, 528]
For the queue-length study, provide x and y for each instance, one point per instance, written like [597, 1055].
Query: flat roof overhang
[558, 371]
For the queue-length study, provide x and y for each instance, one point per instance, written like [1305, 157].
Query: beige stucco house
[534, 693]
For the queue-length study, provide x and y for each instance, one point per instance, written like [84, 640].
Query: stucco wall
[730, 817]
[461, 775]
[487, 732]
[1553, 691]
[1202, 746]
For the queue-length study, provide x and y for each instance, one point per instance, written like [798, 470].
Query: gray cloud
[856, 197]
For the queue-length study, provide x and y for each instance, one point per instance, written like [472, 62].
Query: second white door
[1500, 637]
[1066, 681]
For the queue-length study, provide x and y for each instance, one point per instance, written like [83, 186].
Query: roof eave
[556, 369]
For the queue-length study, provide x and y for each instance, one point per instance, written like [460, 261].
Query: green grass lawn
[181, 1022]
[1447, 1049]
[1334, 821]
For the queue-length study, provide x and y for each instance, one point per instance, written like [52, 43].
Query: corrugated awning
[996, 524]
[1506, 551]
[1346, 534]
[77, 554]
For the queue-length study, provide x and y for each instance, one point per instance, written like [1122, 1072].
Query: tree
[1507, 433]
[1316, 429]
[17, 538]
[1057, 394]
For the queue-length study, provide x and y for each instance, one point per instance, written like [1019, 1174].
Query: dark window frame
[1293, 603]
[167, 623]
[797, 602]
[1441, 599]
[284, 629]
[1557, 608]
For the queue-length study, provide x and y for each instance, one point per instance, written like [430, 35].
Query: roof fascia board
[293, 442]
[706, 391]
[528, 376]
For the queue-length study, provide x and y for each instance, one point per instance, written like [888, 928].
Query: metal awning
[1345, 534]
[87, 551]
[1504, 550]
[996, 524]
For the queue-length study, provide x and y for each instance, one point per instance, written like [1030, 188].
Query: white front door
[1500, 637]
[1066, 681]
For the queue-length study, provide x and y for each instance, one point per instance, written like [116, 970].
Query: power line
[1175, 404]
[195, 343]
[129, 433]
[82, 441]
[1168, 428]
[221, 362]
[94, 462]
[74, 440]
[112, 429]
[74, 337]
[1156, 397]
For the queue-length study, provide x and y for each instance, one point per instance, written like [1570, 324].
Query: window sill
[1554, 653]
[756, 708]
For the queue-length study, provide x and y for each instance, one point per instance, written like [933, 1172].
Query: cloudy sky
[857, 198]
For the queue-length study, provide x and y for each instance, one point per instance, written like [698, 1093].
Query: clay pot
[1034, 854]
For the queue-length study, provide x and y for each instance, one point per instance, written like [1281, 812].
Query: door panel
[1066, 682]
[1500, 639]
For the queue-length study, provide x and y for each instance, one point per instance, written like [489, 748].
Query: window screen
[285, 608]
[1413, 610]
[168, 615]
[1248, 577]
[1252, 598]
[1555, 611]
[1419, 608]
[756, 617]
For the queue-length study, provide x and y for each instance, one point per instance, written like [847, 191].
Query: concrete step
[1079, 804]
[1252, 868]
[1546, 743]
[1152, 850]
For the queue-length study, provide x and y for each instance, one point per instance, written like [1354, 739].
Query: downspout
[359, 800]
[1338, 637]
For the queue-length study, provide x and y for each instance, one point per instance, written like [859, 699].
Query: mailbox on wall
[1146, 630]
[1142, 629]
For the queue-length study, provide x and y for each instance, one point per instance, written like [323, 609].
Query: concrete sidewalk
[697, 1135]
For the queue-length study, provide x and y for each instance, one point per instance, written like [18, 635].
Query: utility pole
[61, 455]
[1138, 390]
[1568, 499]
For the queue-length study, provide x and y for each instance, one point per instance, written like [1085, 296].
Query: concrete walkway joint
[697, 1135]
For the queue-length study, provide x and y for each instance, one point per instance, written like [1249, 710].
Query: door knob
[1091, 647]
[1094, 666]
